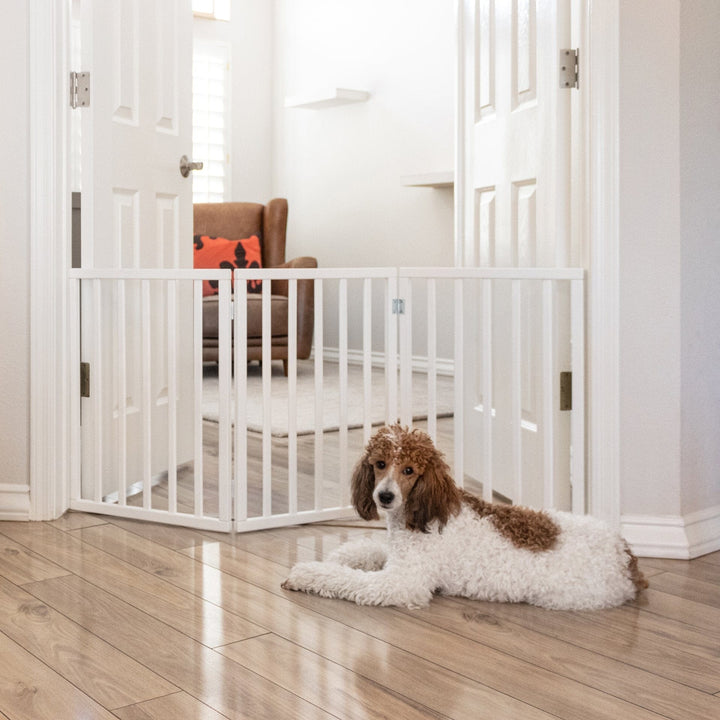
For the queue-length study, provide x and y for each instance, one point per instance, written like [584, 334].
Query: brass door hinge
[84, 379]
[566, 391]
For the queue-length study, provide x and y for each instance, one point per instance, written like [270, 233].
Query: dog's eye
[408, 471]
[380, 464]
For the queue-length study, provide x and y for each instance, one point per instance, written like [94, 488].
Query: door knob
[186, 166]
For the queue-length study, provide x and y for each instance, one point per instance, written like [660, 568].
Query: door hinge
[79, 89]
[398, 306]
[566, 391]
[84, 379]
[569, 68]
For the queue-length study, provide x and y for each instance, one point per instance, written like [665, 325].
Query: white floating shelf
[329, 97]
[445, 179]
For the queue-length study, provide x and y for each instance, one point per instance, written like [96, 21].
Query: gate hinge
[398, 306]
[569, 68]
[84, 379]
[79, 89]
[566, 390]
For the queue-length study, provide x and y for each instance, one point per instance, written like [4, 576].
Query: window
[214, 9]
[211, 121]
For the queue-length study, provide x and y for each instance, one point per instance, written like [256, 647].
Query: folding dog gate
[159, 435]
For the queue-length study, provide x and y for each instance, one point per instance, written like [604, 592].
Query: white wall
[700, 242]
[669, 274]
[14, 267]
[341, 167]
[250, 36]
[650, 258]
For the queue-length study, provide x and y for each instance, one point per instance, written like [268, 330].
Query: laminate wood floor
[108, 618]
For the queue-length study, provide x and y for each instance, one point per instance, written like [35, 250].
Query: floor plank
[201, 620]
[94, 667]
[86, 601]
[178, 706]
[20, 565]
[29, 690]
[203, 673]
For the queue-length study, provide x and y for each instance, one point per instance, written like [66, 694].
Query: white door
[136, 213]
[515, 206]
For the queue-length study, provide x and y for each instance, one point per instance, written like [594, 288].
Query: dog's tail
[638, 579]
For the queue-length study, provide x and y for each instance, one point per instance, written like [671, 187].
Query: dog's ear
[433, 497]
[363, 484]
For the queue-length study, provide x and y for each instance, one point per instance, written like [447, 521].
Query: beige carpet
[305, 416]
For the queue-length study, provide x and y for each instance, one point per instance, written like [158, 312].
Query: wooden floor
[103, 618]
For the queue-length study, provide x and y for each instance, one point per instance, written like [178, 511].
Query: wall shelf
[327, 97]
[443, 179]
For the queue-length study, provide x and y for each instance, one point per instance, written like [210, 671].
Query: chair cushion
[217, 252]
[278, 316]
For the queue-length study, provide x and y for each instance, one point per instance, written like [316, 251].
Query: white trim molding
[600, 76]
[14, 501]
[48, 25]
[682, 537]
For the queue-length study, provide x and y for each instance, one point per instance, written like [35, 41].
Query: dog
[443, 540]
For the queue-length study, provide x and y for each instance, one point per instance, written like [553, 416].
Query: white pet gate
[161, 436]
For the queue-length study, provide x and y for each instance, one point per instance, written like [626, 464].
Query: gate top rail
[494, 273]
[148, 274]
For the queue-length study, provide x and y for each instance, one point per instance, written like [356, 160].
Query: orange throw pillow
[215, 252]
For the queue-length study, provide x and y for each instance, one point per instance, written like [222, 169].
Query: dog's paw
[302, 576]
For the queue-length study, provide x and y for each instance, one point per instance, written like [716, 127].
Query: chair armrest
[305, 303]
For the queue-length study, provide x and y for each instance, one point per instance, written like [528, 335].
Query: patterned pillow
[215, 252]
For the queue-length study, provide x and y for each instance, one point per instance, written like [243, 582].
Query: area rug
[305, 404]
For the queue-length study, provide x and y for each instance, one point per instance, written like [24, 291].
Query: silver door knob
[186, 166]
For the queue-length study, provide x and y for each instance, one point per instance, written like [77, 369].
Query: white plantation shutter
[211, 121]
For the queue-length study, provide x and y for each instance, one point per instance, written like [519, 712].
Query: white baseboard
[14, 501]
[444, 366]
[675, 536]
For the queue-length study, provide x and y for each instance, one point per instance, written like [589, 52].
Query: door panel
[516, 195]
[137, 213]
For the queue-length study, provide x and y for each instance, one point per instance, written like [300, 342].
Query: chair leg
[285, 367]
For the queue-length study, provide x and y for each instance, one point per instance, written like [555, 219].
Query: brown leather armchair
[235, 220]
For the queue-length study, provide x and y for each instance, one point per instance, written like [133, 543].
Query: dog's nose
[386, 497]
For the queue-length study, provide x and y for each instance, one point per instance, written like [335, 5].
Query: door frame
[54, 386]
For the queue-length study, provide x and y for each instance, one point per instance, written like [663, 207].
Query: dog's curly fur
[443, 539]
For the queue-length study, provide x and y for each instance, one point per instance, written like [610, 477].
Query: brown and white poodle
[443, 540]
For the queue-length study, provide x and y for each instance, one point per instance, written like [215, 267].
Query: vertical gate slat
[516, 392]
[343, 378]
[267, 407]
[240, 356]
[74, 288]
[548, 382]
[292, 397]
[121, 380]
[319, 351]
[577, 417]
[459, 382]
[432, 357]
[391, 369]
[146, 395]
[172, 393]
[367, 359]
[98, 407]
[224, 397]
[487, 388]
[198, 466]
[404, 320]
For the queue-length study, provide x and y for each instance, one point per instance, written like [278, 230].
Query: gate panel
[135, 457]
[268, 450]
